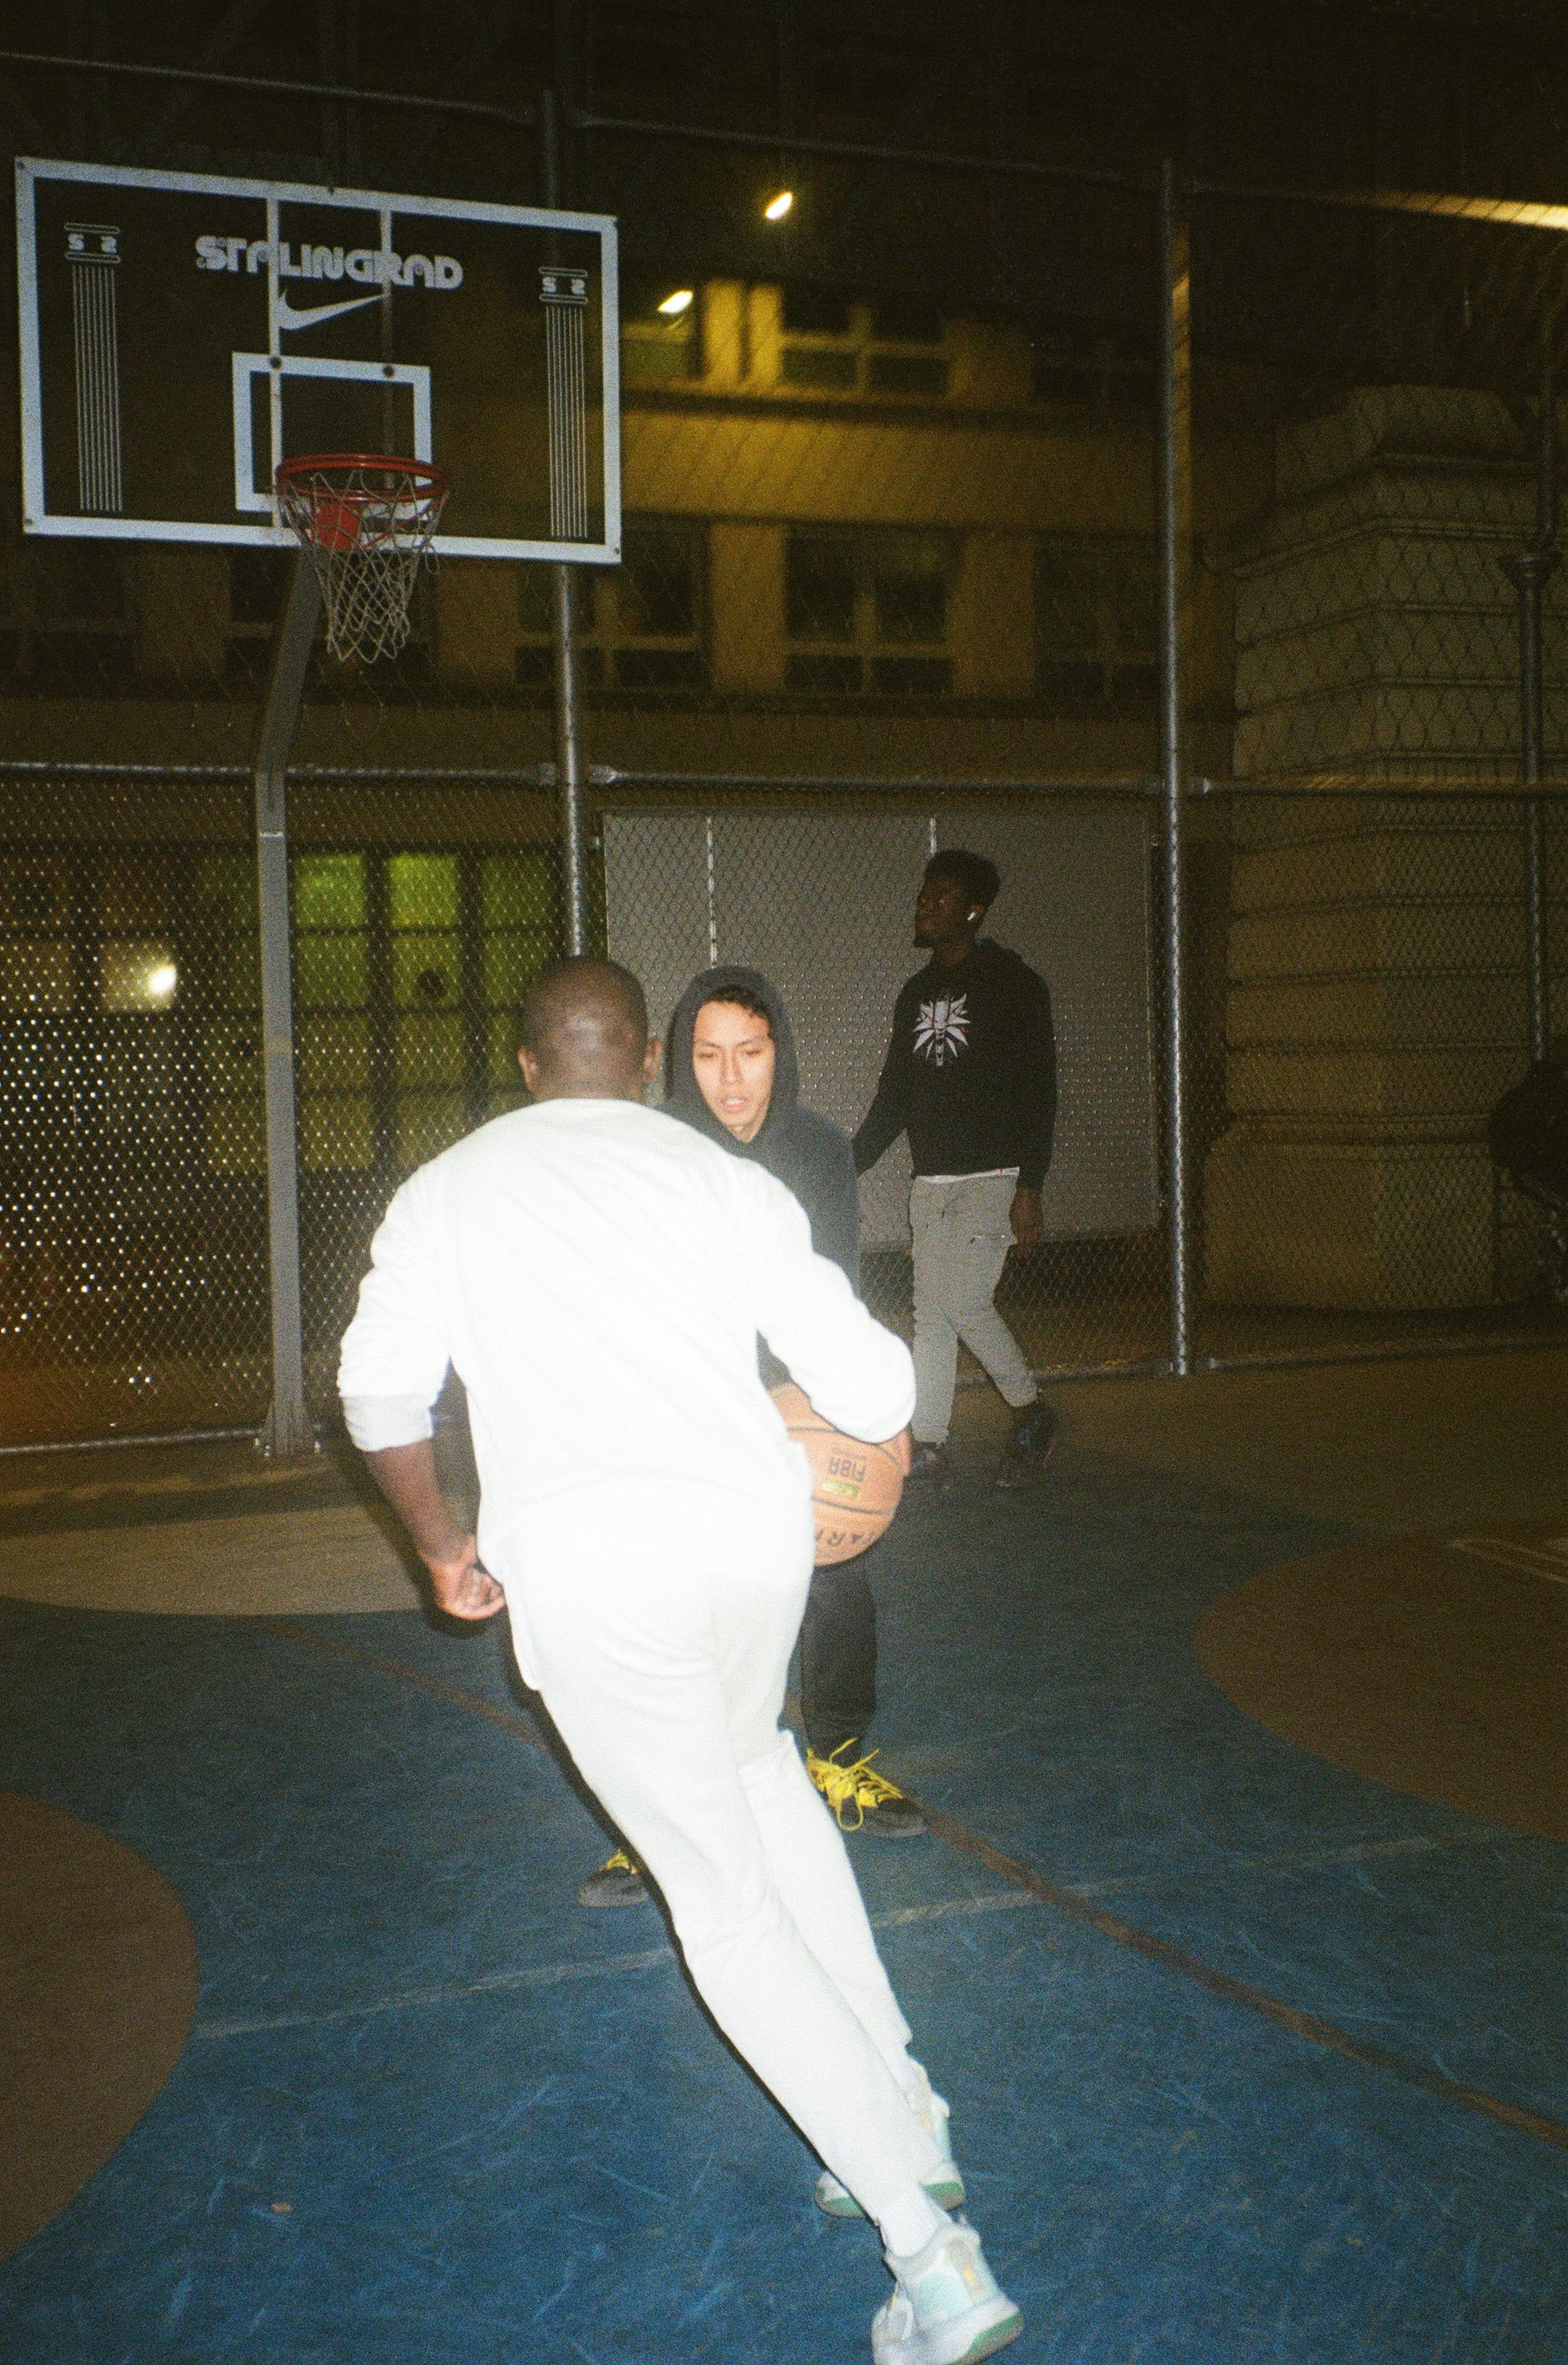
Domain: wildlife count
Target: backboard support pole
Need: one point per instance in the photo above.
(286, 1430)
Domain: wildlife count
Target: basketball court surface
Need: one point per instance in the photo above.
(1237, 1941)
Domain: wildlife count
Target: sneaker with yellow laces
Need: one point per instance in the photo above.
(863, 1801)
(618, 1881)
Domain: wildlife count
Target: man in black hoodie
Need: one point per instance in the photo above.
(730, 1072)
(971, 1076)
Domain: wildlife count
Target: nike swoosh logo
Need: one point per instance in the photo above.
(287, 318)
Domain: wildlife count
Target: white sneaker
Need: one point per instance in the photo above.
(945, 2185)
(946, 2308)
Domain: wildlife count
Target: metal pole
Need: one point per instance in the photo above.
(569, 768)
(1529, 572)
(287, 1428)
(1174, 490)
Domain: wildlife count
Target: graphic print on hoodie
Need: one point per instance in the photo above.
(971, 1070)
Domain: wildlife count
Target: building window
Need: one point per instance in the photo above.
(258, 586)
(66, 617)
(1088, 367)
(1095, 624)
(640, 625)
(660, 346)
(835, 344)
(867, 612)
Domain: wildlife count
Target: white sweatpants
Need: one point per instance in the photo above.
(962, 1231)
(668, 1691)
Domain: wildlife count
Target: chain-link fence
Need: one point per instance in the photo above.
(134, 1280)
(892, 577)
(1392, 370)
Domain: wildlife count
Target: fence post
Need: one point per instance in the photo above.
(1530, 573)
(287, 1428)
(1174, 491)
(568, 730)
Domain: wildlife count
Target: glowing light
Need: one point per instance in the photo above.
(777, 207)
(674, 305)
(162, 981)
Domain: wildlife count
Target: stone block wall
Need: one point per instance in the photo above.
(1376, 999)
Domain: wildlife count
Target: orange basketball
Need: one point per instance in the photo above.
(855, 1487)
(335, 524)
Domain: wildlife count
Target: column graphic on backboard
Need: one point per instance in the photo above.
(260, 322)
(91, 249)
(564, 295)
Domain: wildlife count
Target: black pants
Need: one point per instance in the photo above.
(838, 1656)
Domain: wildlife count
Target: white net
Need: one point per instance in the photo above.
(368, 522)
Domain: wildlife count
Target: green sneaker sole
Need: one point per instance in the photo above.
(946, 2191)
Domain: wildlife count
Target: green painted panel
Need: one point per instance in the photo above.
(335, 1130)
(332, 1055)
(501, 1041)
(331, 972)
(421, 891)
(428, 1051)
(328, 891)
(511, 962)
(426, 974)
(517, 889)
(428, 1122)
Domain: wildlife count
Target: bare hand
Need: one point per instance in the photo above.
(899, 1448)
(463, 1585)
(1028, 1225)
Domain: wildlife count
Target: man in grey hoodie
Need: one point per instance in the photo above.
(731, 1073)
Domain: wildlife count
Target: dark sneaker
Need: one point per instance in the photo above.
(1028, 1449)
(618, 1881)
(862, 1800)
(927, 1469)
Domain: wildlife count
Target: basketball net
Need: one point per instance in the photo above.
(367, 522)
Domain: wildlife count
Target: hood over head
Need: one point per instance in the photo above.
(683, 1094)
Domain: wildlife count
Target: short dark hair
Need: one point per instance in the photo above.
(980, 879)
(738, 997)
(581, 990)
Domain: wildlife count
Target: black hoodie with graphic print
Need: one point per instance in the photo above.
(807, 1153)
(970, 1072)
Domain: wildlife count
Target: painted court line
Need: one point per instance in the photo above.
(1549, 1561)
(550, 1975)
(1305, 2024)
(1077, 1905)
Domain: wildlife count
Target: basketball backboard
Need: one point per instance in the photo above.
(181, 334)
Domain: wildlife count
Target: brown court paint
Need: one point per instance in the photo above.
(1437, 1667)
(97, 1991)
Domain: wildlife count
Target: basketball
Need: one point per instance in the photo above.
(335, 524)
(855, 1487)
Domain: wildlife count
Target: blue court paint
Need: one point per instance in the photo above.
(504, 2133)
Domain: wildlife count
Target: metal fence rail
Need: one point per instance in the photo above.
(1220, 522)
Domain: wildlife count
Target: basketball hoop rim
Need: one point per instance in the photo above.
(424, 481)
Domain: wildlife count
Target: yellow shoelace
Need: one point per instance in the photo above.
(850, 1788)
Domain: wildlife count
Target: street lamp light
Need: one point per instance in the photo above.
(674, 305)
(777, 207)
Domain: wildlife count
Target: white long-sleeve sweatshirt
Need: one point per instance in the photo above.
(598, 1275)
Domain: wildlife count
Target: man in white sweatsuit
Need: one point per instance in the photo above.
(598, 1275)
